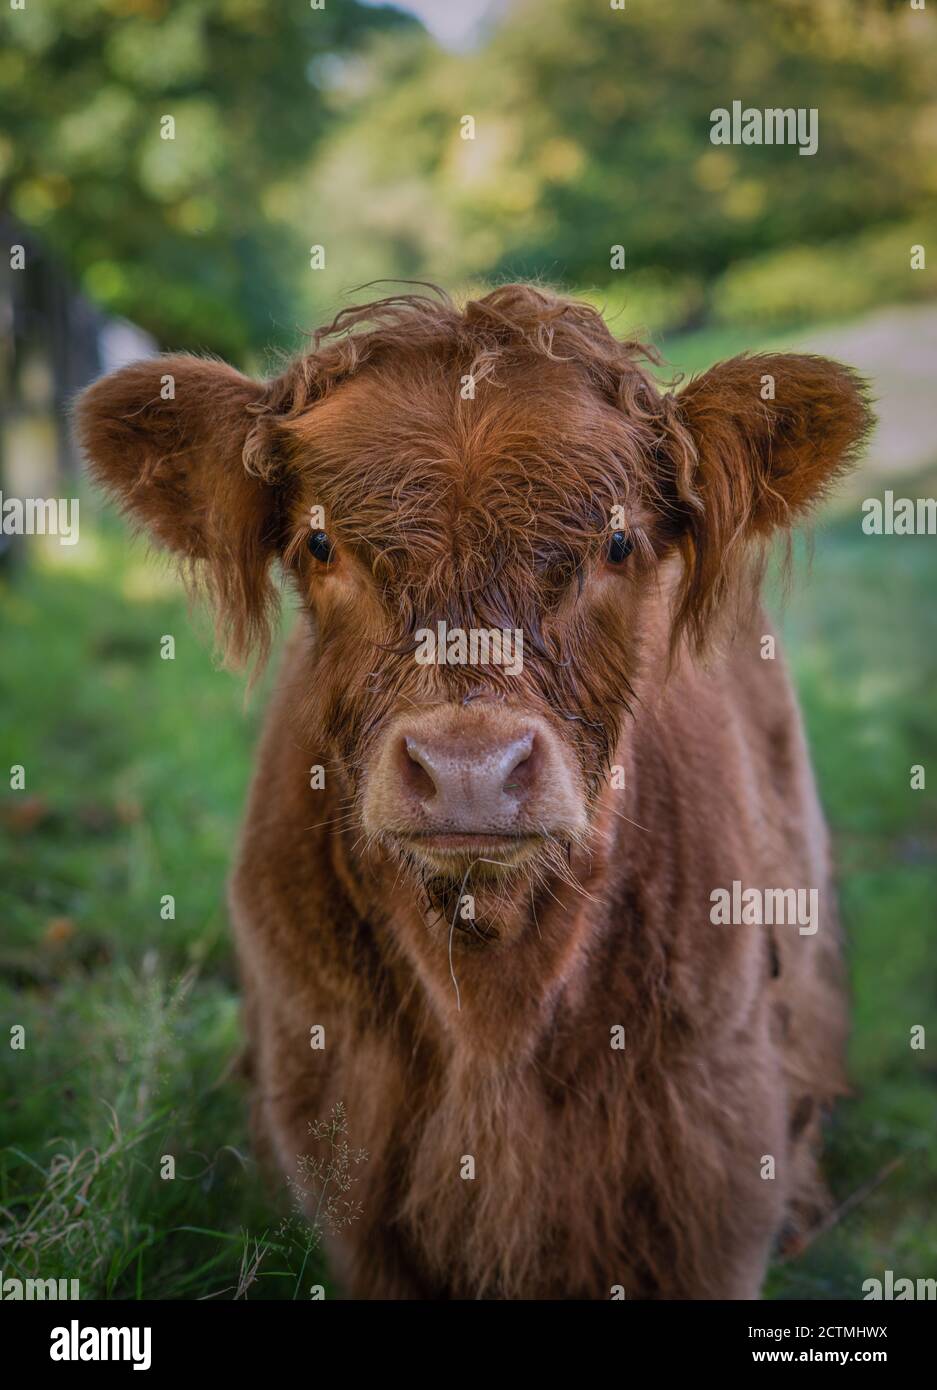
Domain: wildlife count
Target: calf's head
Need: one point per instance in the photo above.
(496, 527)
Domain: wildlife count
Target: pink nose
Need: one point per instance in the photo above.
(476, 770)
(476, 784)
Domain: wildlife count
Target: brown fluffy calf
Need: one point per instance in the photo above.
(510, 874)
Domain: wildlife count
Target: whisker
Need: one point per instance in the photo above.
(458, 996)
(533, 909)
(622, 816)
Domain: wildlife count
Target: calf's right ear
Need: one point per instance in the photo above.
(173, 439)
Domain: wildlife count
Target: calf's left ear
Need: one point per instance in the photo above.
(756, 442)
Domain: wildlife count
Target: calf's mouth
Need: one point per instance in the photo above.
(482, 853)
(483, 789)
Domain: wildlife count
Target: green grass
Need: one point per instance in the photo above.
(861, 631)
(136, 770)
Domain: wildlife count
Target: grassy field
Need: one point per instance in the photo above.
(136, 770)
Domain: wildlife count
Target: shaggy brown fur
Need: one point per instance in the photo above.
(486, 503)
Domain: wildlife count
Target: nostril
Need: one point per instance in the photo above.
(417, 769)
(521, 765)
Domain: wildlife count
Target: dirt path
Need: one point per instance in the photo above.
(897, 349)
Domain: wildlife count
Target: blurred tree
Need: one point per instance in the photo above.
(342, 126)
(592, 129)
(181, 234)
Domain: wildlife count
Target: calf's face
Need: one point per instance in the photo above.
(494, 524)
(476, 619)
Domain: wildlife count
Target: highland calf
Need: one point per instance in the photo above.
(494, 900)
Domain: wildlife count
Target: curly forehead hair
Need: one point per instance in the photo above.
(723, 463)
(514, 322)
(523, 478)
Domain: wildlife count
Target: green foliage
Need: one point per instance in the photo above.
(834, 281)
(121, 1070)
(131, 1016)
(592, 131)
(779, 289)
(341, 127)
(183, 235)
(866, 683)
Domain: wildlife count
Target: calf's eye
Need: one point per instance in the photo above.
(320, 546)
(619, 548)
